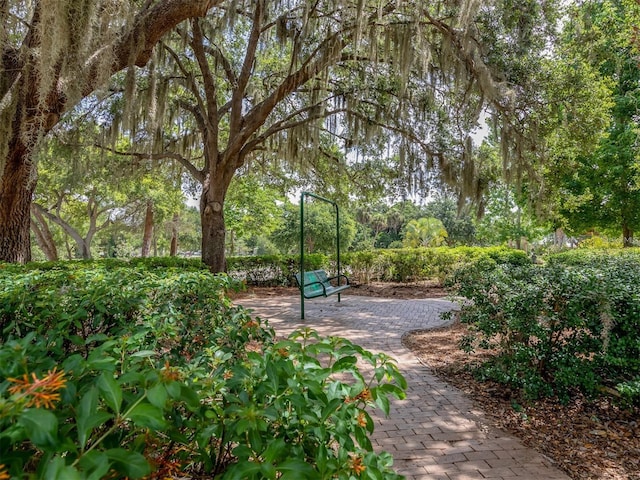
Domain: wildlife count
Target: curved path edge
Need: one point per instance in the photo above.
(436, 432)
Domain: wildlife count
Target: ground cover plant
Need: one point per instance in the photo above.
(557, 328)
(137, 371)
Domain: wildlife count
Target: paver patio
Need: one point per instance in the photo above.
(436, 432)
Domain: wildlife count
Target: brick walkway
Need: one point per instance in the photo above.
(436, 432)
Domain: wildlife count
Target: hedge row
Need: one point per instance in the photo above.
(112, 371)
(398, 265)
(416, 264)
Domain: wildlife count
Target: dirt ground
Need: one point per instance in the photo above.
(588, 440)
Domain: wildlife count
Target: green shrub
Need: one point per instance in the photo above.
(416, 264)
(126, 371)
(556, 328)
(273, 270)
(591, 257)
(390, 265)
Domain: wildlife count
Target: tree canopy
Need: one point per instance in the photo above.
(361, 99)
(54, 54)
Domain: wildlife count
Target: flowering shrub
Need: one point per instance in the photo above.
(153, 373)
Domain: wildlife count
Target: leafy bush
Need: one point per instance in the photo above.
(588, 257)
(415, 264)
(558, 327)
(273, 270)
(397, 265)
(152, 372)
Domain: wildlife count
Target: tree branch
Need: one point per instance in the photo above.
(210, 90)
(245, 73)
(217, 54)
(191, 84)
(190, 167)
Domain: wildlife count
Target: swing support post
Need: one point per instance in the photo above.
(335, 207)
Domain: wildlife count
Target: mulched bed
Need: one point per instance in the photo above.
(587, 439)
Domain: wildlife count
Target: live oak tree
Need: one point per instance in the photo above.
(54, 53)
(267, 81)
(259, 81)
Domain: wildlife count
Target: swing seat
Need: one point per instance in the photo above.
(317, 284)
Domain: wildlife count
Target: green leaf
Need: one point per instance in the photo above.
(111, 392)
(330, 408)
(129, 464)
(96, 464)
(87, 408)
(383, 402)
(57, 470)
(242, 471)
(143, 354)
(190, 397)
(390, 389)
(345, 363)
(276, 449)
(41, 426)
(174, 389)
(147, 415)
(157, 395)
(255, 440)
(321, 459)
(295, 468)
(362, 438)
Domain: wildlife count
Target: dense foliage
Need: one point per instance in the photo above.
(598, 189)
(572, 324)
(395, 265)
(148, 370)
(416, 264)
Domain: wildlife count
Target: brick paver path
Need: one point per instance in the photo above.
(436, 432)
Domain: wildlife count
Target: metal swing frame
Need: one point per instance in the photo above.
(320, 282)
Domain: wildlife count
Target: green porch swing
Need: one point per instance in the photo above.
(316, 283)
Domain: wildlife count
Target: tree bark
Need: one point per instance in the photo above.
(147, 236)
(16, 191)
(83, 244)
(174, 236)
(627, 236)
(43, 235)
(212, 219)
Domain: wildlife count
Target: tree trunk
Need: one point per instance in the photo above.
(174, 236)
(627, 236)
(68, 248)
(16, 191)
(559, 238)
(41, 229)
(147, 236)
(212, 218)
(85, 250)
(83, 245)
